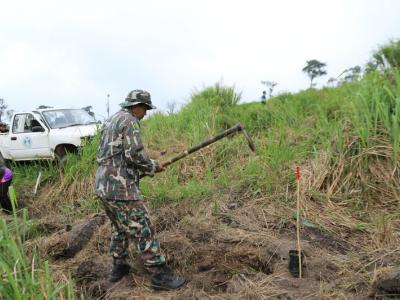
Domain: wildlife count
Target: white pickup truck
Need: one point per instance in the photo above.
(46, 134)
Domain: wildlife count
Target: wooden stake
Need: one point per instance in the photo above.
(298, 220)
(37, 183)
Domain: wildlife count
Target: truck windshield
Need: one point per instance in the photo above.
(68, 117)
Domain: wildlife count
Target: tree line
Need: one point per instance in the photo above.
(386, 57)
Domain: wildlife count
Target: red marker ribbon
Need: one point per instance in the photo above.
(297, 173)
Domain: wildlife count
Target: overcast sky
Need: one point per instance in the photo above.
(74, 53)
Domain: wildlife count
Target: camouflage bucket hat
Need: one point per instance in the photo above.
(136, 97)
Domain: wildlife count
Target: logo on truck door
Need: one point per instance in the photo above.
(27, 142)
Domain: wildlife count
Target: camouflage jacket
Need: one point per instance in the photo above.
(121, 159)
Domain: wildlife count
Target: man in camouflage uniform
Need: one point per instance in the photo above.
(122, 162)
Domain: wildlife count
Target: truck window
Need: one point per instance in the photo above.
(18, 123)
(39, 117)
(24, 123)
(59, 118)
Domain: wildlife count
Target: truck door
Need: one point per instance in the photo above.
(29, 138)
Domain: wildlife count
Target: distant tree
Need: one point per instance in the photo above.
(371, 66)
(387, 56)
(171, 107)
(314, 69)
(331, 81)
(9, 113)
(270, 85)
(44, 107)
(3, 107)
(352, 74)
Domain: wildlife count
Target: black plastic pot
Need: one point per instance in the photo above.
(294, 263)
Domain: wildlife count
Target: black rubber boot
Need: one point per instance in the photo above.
(118, 271)
(165, 279)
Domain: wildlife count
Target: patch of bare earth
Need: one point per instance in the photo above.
(238, 251)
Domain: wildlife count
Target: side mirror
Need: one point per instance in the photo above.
(37, 129)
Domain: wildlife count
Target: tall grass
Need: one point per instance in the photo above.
(376, 108)
(26, 276)
(288, 130)
(356, 125)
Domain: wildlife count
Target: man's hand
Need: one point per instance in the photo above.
(159, 167)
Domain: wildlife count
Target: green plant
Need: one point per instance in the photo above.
(26, 276)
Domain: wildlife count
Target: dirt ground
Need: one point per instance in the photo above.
(237, 248)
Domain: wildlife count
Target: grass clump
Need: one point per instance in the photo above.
(26, 276)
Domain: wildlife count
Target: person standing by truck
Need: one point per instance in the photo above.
(6, 176)
(3, 127)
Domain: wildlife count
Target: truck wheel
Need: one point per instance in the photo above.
(61, 155)
(62, 151)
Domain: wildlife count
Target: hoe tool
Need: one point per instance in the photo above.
(237, 128)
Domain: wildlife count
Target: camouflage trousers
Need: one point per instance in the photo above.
(130, 222)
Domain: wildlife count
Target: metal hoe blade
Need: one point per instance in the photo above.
(249, 139)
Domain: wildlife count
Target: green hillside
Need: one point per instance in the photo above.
(346, 141)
